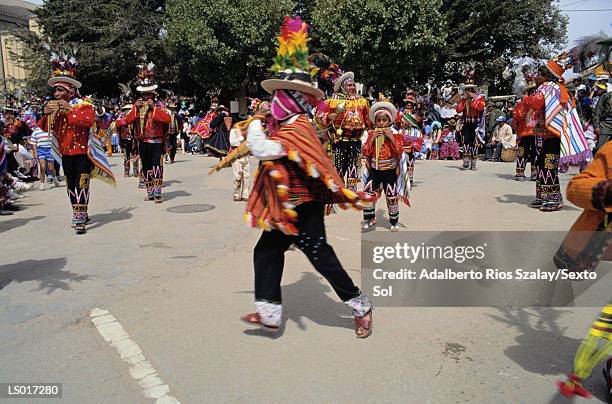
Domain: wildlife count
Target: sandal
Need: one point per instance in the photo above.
(363, 325)
(551, 207)
(537, 204)
(608, 377)
(80, 228)
(254, 319)
(368, 224)
(573, 387)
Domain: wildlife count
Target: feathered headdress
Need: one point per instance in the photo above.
(291, 65)
(327, 73)
(525, 70)
(64, 65)
(292, 52)
(588, 51)
(145, 78)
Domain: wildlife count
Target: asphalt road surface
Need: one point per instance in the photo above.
(146, 305)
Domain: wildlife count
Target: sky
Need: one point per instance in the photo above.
(581, 23)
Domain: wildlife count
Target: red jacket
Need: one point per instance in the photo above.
(389, 150)
(156, 123)
(474, 112)
(72, 128)
(124, 130)
(536, 118)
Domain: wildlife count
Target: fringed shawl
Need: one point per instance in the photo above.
(269, 207)
(562, 120)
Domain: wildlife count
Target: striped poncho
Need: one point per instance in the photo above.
(562, 120)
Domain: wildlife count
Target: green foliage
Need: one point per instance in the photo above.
(111, 36)
(492, 32)
(200, 45)
(385, 41)
(225, 43)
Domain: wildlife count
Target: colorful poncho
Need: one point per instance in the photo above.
(562, 120)
(269, 207)
(95, 150)
(202, 127)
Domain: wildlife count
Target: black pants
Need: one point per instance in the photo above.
(11, 162)
(129, 151)
(525, 152)
(548, 189)
(387, 180)
(77, 170)
(493, 150)
(269, 256)
(151, 155)
(172, 144)
(347, 160)
(471, 145)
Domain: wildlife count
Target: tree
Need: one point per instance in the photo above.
(385, 41)
(223, 43)
(111, 37)
(492, 32)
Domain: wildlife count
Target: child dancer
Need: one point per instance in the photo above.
(385, 165)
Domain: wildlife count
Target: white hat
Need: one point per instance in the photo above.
(383, 105)
(342, 79)
(147, 89)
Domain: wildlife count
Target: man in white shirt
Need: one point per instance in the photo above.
(502, 138)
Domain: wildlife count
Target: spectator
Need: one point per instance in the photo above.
(502, 138)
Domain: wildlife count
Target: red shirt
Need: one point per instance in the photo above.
(474, 112)
(155, 125)
(388, 151)
(72, 128)
(124, 130)
(535, 119)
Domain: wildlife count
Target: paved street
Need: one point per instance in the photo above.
(177, 276)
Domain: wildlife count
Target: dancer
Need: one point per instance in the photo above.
(386, 166)
(587, 243)
(128, 142)
(471, 105)
(173, 130)
(412, 140)
(563, 133)
(528, 126)
(240, 166)
(70, 119)
(295, 180)
(346, 117)
(151, 122)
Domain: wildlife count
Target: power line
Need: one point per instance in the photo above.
(572, 3)
(601, 9)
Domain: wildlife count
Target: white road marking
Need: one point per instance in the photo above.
(129, 351)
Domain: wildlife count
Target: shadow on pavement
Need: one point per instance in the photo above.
(508, 177)
(308, 298)
(115, 215)
(541, 348)
(174, 194)
(526, 200)
(47, 272)
(168, 183)
(6, 225)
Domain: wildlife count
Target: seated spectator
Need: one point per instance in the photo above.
(502, 138)
(449, 147)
